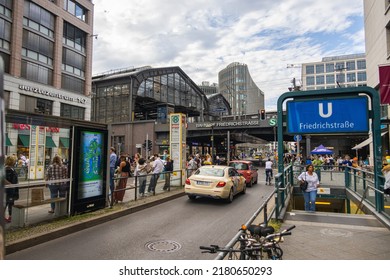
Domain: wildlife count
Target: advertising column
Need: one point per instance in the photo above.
(178, 135)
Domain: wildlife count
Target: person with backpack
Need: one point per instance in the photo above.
(11, 194)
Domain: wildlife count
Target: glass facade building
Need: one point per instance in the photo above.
(237, 86)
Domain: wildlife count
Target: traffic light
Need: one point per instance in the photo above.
(149, 145)
(262, 114)
(144, 145)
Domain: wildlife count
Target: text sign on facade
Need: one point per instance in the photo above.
(341, 115)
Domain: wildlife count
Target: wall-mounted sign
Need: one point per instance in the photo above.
(61, 96)
(340, 115)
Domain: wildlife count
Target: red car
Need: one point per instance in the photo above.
(247, 169)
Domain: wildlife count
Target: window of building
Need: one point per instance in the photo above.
(38, 45)
(6, 8)
(351, 65)
(72, 112)
(340, 78)
(73, 62)
(329, 67)
(5, 34)
(39, 15)
(35, 105)
(37, 73)
(330, 79)
(362, 76)
(73, 84)
(319, 68)
(351, 77)
(340, 66)
(361, 64)
(38, 27)
(75, 9)
(6, 60)
(74, 37)
(310, 80)
(320, 80)
(309, 69)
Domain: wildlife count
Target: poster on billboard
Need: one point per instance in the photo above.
(89, 170)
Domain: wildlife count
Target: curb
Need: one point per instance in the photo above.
(57, 233)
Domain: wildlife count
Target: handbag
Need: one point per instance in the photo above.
(303, 185)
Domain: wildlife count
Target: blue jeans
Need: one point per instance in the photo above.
(142, 184)
(112, 173)
(57, 191)
(153, 182)
(310, 200)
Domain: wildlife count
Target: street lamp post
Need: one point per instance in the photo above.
(212, 144)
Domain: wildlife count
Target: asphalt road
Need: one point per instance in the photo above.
(172, 230)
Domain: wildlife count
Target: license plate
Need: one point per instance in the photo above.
(203, 183)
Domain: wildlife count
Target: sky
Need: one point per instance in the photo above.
(202, 37)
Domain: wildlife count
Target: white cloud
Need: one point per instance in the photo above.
(203, 37)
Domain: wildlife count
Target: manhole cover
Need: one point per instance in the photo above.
(164, 246)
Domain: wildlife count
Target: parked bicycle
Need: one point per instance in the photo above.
(256, 242)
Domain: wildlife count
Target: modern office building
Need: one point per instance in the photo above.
(238, 87)
(335, 71)
(46, 47)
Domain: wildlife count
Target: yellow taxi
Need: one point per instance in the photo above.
(216, 181)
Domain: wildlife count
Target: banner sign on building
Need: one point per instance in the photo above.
(340, 115)
(384, 83)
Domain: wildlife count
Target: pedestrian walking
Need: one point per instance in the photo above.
(113, 159)
(310, 194)
(140, 173)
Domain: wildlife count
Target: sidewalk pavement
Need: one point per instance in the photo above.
(334, 236)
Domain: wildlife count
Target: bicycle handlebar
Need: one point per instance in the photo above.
(289, 229)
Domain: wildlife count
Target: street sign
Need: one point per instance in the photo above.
(339, 115)
(297, 137)
(273, 121)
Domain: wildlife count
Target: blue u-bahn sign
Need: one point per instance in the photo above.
(339, 115)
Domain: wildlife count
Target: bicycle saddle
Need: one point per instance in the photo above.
(260, 230)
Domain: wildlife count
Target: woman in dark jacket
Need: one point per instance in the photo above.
(11, 194)
(168, 168)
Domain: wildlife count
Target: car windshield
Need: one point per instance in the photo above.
(210, 172)
(239, 165)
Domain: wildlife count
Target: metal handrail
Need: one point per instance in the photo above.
(234, 240)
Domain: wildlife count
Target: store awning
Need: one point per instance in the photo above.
(366, 142)
(64, 142)
(24, 139)
(8, 142)
(50, 143)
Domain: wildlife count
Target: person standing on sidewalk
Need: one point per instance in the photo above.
(56, 171)
(11, 194)
(157, 168)
(168, 168)
(140, 172)
(124, 171)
